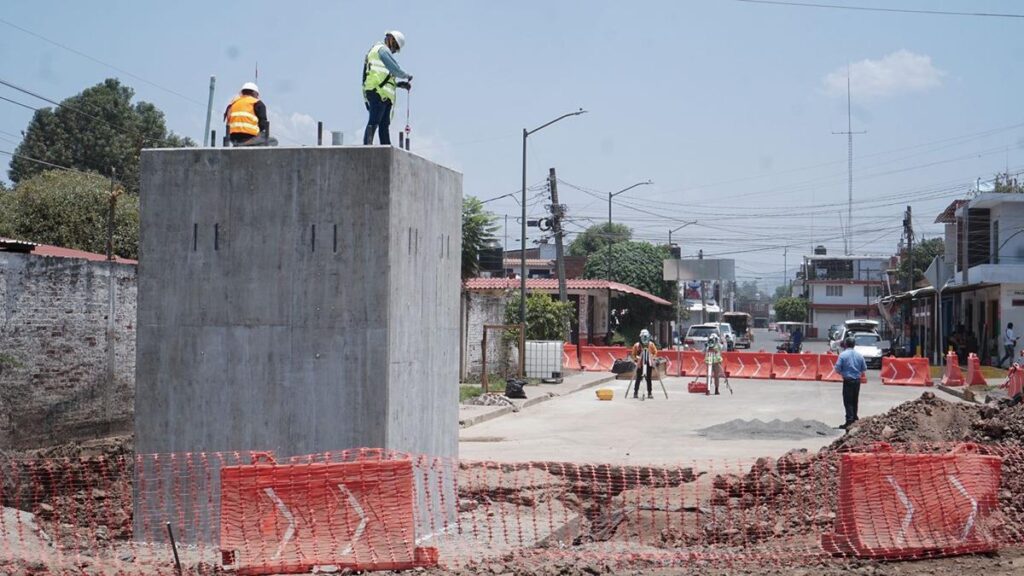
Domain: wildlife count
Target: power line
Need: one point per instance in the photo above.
(98, 61)
(45, 163)
(19, 104)
(875, 9)
(77, 111)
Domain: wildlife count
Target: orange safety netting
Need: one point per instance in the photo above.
(383, 510)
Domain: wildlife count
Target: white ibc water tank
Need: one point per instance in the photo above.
(544, 359)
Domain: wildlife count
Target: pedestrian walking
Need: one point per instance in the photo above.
(644, 352)
(1009, 343)
(380, 79)
(850, 366)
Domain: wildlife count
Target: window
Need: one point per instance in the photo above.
(872, 291)
(833, 290)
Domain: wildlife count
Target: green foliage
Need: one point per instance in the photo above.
(478, 228)
(95, 131)
(783, 291)
(747, 292)
(920, 258)
(1006, 184)
(638, 264)
(6, 211)
(791, 310)
(546, 317)
(70, 209)
(597, 236)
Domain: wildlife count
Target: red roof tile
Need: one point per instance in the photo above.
(58, 252)
(482, 284)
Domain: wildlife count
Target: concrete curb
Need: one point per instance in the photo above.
(485, 416)
(500, 411)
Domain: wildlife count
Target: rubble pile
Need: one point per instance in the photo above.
(80, 493)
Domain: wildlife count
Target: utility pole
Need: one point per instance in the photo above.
(557, 211)
(785, 267)
(849, 153)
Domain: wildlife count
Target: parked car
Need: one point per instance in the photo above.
(741, 323)
(852, 328)
(729, 335)
(871, 347)
(697, 335)
(833, 332)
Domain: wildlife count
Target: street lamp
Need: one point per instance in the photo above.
(609, 257)
(522, 244)
(679, 298)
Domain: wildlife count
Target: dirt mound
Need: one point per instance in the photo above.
(928, 419)
(797, 429)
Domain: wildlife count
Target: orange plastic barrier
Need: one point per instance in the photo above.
(915, 505)
(1015, 381)
(569, 359)
(601, 358)
(691, 363)
(827, 369)
(952, 375)
(748, 364)
(906, 371)
(795, 366)
(974, 375)
(294, 517)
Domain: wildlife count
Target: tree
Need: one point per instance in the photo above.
(746, 293)
(6, 211)
(546, 318)
(782, 291)
(70, 209)
(478, 228)
(920, 258)
(94, 131)
(791, 310)
(638, 264)
(1006, 184)
(597, 236)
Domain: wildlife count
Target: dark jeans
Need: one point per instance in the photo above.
(1008, 355)
(640, 372)
(851, 393)
(379, 120)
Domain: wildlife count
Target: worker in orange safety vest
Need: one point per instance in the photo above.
(246, 117)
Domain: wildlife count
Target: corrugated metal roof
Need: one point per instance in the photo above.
(530, 262)
(551, 284)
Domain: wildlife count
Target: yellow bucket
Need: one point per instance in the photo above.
(605, 394)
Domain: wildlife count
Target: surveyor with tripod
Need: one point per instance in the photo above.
(713, 360)
(644, 352)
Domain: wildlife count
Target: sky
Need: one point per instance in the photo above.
(730, 108)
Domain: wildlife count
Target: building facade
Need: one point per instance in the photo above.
(839, 288)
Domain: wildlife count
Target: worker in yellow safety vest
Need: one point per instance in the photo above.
(381, 75)
(246, 116)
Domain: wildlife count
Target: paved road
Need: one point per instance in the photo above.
(579, 428)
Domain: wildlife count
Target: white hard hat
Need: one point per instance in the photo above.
(398, 36)
(251, 86)
(644, 332)
(713, 337)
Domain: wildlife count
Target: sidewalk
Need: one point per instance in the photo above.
(472, 415)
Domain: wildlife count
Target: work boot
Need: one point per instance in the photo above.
(650, 396)
(716, 392)
(634, 396)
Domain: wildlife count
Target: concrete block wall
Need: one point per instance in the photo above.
(298, 300)
(483, 308)
(67, 349)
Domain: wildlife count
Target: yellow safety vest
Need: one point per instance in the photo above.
(376, 77)
(242, 116)
(713, 355)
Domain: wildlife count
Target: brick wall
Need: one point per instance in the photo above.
(67, 349)
(483, 308)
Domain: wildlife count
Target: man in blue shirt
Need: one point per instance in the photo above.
(850, 366)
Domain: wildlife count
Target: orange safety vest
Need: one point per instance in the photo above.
(241, 116)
